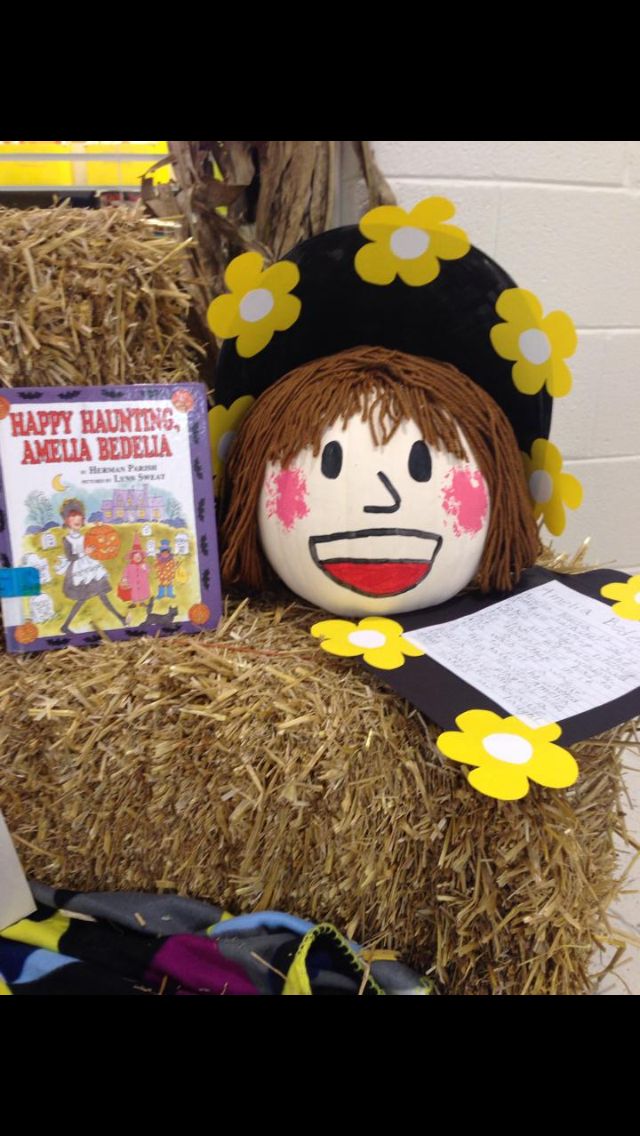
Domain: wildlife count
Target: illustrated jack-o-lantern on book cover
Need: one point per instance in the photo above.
(391, 390)
(107, 521)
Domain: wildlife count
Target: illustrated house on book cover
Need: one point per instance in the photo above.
(132, 505)
(106, 496)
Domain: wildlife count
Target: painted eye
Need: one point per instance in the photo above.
(420, 462)
(332, 459)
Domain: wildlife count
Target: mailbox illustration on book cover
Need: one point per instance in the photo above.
(106, 514)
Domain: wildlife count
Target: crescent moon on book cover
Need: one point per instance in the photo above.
(58, 483)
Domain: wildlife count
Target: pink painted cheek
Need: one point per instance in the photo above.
(287, 497)
(466, 500)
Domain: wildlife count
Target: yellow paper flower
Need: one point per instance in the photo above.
(380, 641)
(409, 245)
(628, 595)
(549, 488)
(223, 427)
(508, 754)
(257, 304)
(538, 344)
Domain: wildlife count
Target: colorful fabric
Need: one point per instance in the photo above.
(165, 568)
(133, 943)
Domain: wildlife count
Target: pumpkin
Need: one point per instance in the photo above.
(363, 529)
(374, 482)
(199, 613)
(26, 633)
(182, 400)
(102, 542)
(5, 407)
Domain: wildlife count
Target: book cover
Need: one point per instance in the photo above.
(106, 492)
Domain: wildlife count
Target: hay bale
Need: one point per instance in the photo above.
(89, 297)
(248, 767)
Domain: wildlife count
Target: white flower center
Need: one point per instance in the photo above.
(535, 346)
(225, 443)
(541, 486)
(408, 242)
(256, 304)
(367, 638)
(508, 747)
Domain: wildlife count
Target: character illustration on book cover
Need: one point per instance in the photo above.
(118, 566)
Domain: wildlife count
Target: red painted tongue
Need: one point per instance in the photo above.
(379, 578)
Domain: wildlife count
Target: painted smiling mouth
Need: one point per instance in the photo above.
(366, 561)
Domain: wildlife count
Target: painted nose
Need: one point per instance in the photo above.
(393, 493)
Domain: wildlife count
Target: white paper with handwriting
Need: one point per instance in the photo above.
(545, 655)
(16, 900)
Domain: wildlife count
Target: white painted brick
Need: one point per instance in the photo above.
(610, 513)
(577, 249)
(601, 415)
(601, 163)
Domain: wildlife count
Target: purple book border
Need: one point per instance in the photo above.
(202, 479)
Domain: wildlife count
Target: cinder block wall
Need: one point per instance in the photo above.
(563, 218)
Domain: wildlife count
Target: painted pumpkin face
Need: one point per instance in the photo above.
(26, 633)
(182, 400)
(102, 542)
(363, 529)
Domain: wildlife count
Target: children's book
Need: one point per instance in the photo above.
(107, 522)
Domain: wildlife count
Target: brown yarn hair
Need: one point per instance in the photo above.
(384, 388)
